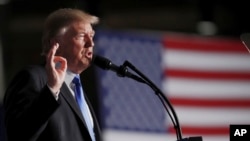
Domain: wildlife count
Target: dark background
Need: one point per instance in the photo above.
(21, 21)
(21, 24)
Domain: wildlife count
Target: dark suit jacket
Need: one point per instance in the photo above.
(33, 114)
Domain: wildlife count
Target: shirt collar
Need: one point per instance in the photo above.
(69, 77)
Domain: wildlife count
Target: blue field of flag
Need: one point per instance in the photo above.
(125, 103)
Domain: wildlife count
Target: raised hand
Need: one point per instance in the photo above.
(56, 67)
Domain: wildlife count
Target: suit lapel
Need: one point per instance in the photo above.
(66, 94)
(96, 125)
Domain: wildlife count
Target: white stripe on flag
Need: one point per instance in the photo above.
(209, 117)
(197, 60)
(116, 135)
(213, 89)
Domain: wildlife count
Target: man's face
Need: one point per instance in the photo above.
(76, 45)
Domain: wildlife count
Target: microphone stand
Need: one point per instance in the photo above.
(162, 97)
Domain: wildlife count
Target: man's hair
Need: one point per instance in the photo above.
(61, 19)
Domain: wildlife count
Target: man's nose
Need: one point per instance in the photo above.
(89, 41)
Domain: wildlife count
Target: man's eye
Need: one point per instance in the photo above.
(80, 36)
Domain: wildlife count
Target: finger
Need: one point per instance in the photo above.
(54, 48)
(61, 63)
(52, 53)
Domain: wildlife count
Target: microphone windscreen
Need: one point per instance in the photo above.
(101, 62)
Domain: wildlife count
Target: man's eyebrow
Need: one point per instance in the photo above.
(84, 32)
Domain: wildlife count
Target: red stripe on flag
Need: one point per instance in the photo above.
(202, 130)
(240, 103)
(207, 74)
(197, 43)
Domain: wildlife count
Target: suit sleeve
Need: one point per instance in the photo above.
(28, 105)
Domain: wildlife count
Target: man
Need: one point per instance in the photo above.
(40, 102)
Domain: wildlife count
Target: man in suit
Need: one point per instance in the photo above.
(40, 102)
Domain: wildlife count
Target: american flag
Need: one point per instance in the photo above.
(207, 80)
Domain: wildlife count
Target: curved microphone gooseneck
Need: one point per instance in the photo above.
(122, 71)
(162, 97)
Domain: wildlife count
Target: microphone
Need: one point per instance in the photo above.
(121, 71)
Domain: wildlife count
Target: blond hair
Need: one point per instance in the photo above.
(59, 20)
